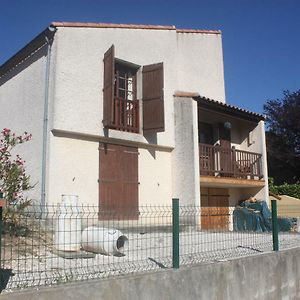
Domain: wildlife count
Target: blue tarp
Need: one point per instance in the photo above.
(257, 217)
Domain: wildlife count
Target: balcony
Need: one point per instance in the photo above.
(125, 115)
(219, 161)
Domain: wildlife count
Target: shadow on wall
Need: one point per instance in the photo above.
(151, 139)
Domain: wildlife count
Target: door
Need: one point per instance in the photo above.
(118, 182)
(225, 153)
(214, 208)
(207, 155)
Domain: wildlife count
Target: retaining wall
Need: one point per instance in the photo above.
(265, 276)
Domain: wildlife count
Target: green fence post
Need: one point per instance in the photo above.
(275, 225)
(175, 236)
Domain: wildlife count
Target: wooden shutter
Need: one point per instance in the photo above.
(118, 182)
(153, 98)
(108, 86)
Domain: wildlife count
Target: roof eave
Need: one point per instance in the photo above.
(234, 111)
(28, 49)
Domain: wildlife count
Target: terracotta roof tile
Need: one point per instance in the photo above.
(198, 31)
(185, 94)
(111, 25)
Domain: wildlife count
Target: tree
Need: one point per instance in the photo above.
(283, 137)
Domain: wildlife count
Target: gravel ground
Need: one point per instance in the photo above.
(38, 265)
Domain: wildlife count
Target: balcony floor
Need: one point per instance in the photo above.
(207, 181)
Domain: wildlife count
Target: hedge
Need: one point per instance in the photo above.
(292, 190)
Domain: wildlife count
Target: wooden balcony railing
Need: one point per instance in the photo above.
(126, 115)
(226, 162)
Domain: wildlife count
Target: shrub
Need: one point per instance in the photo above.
(13, 178)
(292, 190)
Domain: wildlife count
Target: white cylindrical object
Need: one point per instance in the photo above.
(67, 236)
(103, 240)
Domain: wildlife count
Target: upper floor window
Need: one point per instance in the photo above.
(121, 109)
(125, 81)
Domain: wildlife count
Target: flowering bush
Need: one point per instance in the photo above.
(13, 178)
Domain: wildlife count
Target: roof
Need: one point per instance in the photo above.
(40, 41)
(211, 104)
(221, 107)
(133, 26)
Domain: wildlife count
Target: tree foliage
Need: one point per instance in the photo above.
(283, 137)
(292, 190)
(13, 178)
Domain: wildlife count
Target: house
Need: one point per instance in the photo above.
(132, 115)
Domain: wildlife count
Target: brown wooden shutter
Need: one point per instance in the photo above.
(153, 98)
(108, 86)
(118, 181)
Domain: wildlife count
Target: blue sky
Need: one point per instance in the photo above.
(261, 40)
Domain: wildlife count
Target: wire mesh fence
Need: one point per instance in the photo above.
(59, 244)
(62, 244)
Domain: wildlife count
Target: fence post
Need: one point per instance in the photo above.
(175, 235)
(274, 225)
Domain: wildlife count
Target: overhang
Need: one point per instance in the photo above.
(220, 107)
(36, 43)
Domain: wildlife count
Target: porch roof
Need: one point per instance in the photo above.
(232, 110)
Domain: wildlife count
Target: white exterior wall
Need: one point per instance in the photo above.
(22, 94)
(73, 170)
(185, 157)
(79, 74)
(200, 64)
(155, 177)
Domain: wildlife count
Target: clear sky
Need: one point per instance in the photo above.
(261, 38)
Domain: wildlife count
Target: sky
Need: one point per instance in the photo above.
(261, 40)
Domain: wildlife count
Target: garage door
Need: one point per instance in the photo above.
(214, 208)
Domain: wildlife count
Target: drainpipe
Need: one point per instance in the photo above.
(45, 121)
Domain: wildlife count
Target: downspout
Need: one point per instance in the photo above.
(45, 120)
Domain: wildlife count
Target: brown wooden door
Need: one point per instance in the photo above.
(207, 155)
(214, 208)
(225, 153)
(118, 182)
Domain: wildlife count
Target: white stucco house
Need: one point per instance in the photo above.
(131, 115)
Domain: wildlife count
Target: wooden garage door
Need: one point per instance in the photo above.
(214, 208)
(118, 182)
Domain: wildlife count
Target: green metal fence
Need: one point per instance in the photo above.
(65, 243)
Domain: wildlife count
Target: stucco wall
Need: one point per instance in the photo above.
(22, 93)
(259, 146)
(200, 64)
(155, 177)
(185, 157)
(74, 169)
(79, 74)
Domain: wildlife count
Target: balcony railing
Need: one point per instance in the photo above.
(229, 162)
(126, 115)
